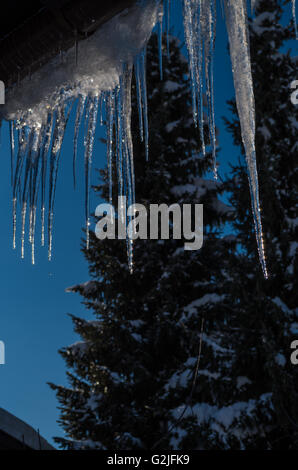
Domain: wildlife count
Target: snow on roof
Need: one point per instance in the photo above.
(99, 66)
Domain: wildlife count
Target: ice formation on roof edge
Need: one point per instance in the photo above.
(38, 115)
(99, 83)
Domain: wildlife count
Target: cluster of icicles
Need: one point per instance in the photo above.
(35, 149)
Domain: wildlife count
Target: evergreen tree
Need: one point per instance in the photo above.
(151, 354)
(263, 314)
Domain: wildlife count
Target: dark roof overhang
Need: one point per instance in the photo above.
(16, 434)
(32, 33)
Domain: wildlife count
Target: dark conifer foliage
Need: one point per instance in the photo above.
(131, 376)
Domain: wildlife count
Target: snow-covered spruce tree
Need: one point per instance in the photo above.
(131, 376)
(263, 313)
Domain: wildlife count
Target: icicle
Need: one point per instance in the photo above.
(119, 146)
(141, 88)
(29, 188)
(33, 186)
(12, 148)
(23, 137)
(79, 115)
(14, 222)
(144, 100)
(91, 113)
(25, 190)
(160, 22)
(103, 100)
(139, 97)
(125, 165)
(129, 153)
(199, 74)
(127, 117)
(44, 153)
(110, 110)
(33, 217)
(194, 41)
(168, 22)
(143, 75)
(62, 115)
(188, 30)
(236, 19)
(23, 230)
(208, 20)
(294, 17)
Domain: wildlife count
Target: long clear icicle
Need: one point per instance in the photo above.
(189, 36)
(62, 116)
(110, 115)
(33, 186)
(197, 34)
(79, 115)
(44, 154)
(168, 22)
(23, 141)
(28, 190)
(208, 31)
(141, 86)
(127, 165)
(236, 20)
(91, 113)
(12, 148)
(139, 97)
(294, 17)
(200, 31)
(160, 32)
(143, 79)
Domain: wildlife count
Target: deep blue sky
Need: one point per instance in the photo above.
(33, 302)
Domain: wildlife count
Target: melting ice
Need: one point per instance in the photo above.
(38, 108)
